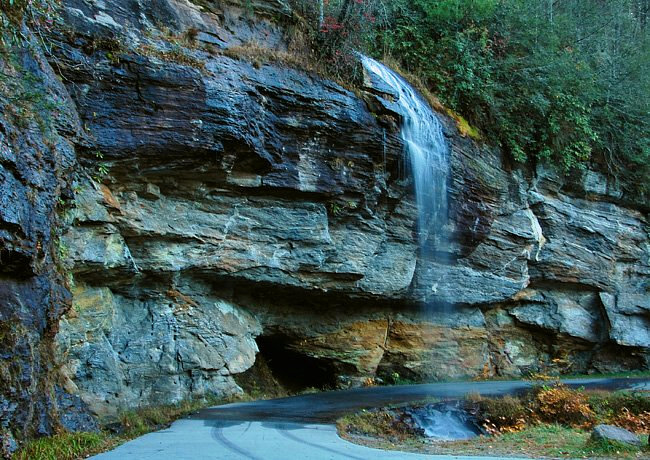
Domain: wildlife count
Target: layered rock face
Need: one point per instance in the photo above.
(228, 209)
(39, 128)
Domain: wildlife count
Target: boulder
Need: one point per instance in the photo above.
(611, 433)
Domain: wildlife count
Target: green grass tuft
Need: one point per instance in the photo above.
(66, 446)
(70, 446)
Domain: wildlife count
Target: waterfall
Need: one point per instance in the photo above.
(425, 147)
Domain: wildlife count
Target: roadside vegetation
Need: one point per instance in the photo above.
(549, 421)
(130, 425)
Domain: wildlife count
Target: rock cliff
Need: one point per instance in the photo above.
(223, 208)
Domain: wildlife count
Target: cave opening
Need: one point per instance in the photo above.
(292, 370)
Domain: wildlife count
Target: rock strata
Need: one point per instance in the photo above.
(282, 198)
(222, 209)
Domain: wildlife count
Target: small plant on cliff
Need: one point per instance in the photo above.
(39, 15)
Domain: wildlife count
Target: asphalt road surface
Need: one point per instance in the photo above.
(302, 427)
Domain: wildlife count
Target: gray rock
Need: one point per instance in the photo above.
(122, 353)
(628, 319)
(574, 314)
(8, 445)
(615, 434)
(250, 202)
(264, 179)
(37, 159)
(73, 413)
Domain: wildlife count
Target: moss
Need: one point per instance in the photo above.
(463, 126)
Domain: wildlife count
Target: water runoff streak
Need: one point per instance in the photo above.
(425, 146)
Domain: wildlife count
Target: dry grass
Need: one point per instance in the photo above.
(295, 57)
(259, 55)
(382, 423)
(176, 54)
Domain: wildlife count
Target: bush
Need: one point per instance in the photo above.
(545, 84)
(637, 423)
(609, 404)
(629, 410)
(383, 423)
(499, 415)
(560, 404)
(337, 30)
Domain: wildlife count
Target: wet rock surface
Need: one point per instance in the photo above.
(445, 421)
(217, 201)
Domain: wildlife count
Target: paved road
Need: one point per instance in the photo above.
(302, 427)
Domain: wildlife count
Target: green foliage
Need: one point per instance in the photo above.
(565, 82)
(608, 405)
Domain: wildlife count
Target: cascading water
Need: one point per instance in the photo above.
(425, 147)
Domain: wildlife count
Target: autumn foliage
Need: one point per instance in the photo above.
(559, 404)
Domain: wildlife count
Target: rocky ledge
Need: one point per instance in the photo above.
(226, 209)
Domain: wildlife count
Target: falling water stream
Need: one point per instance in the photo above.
(425, 147)
(428, 156)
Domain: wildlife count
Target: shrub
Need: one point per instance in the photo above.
(383, 423)
(637, 423)
(560, 404)
(609, 404)
(629, 410)
(499, 415)
(337, 29)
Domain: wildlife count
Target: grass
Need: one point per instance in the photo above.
(176, 54)
(525, 425)
(396, 379)
(611, 375)
(381, 423)
(67, 446)
(70, 446)
(538, 441)
(544, 440)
